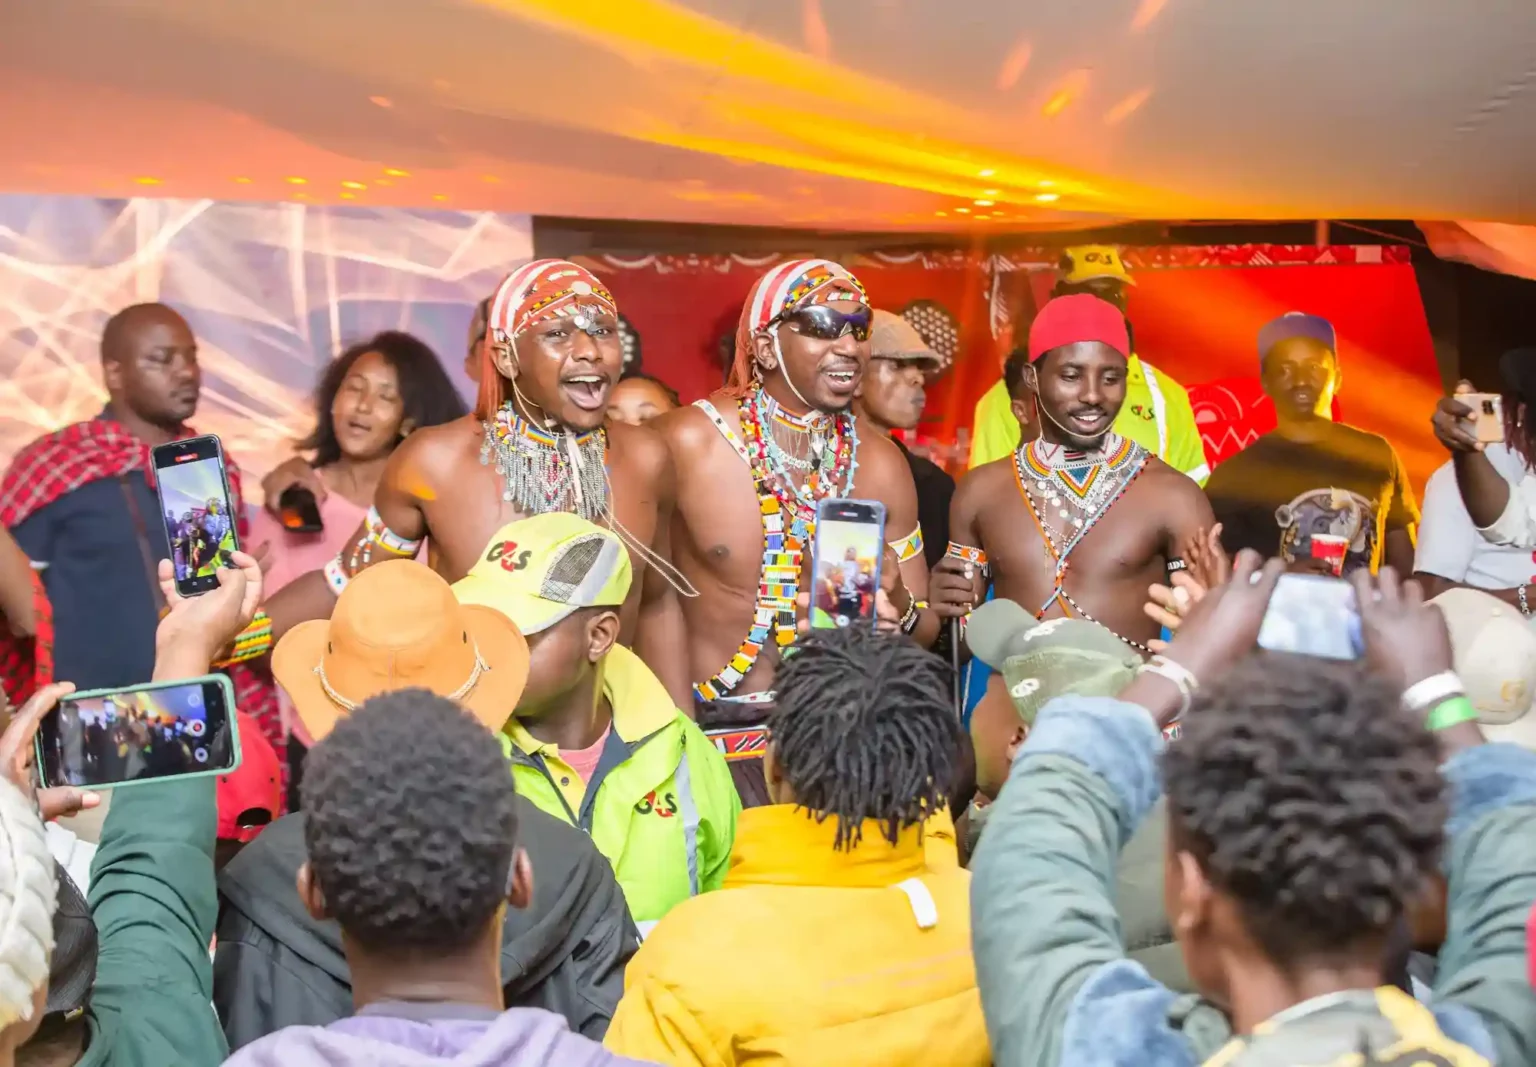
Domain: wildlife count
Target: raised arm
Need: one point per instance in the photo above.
(152, 894)
(395, 524)
(890, 477)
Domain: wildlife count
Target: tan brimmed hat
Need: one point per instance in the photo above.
(397, 625)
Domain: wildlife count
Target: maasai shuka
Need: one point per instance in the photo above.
(532, 293)
(63, 461)
(786, 288)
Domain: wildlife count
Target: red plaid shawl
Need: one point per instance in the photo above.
(56, 465)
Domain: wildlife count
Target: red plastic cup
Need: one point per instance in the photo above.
(1331, 549)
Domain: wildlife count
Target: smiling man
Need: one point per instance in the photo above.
(1079, 521)
(1310, 480)
(535, 443)
(753, 461)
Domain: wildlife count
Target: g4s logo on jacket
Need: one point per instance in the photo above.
(664, 805)
(511, 559)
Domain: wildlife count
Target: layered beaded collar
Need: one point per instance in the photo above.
(789, 524)
(545, 471)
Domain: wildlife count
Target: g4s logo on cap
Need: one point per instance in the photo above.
(511, 559)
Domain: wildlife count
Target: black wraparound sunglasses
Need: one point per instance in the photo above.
(827, 324)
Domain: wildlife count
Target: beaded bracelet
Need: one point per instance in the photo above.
(336, 575)
(910, 617)
(1451, 712)
(966, 554)
(253, 641)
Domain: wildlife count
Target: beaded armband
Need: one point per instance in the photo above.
(336, 575)
(253, 641)
(908, 547)
(378, 535)
(966, 554)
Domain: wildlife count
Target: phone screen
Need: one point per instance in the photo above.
(106, 739)
(1312, 616)
(196, 509)
(850, 544)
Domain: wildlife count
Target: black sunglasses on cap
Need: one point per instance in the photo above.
(827, 324)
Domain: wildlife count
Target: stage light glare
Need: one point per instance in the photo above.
(148, 181)
(242, 181)
(298, 181)
(381, 101)
(990, 192)
(962, 211)
(983, 203)
(1048, 198)
(396, 173)
(353, 185)
(986, 173)
(440, 197)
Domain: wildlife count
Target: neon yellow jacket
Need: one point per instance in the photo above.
(661, 805)
(811, 956)
(1156, 415)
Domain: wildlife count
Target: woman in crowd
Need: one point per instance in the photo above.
(368, 400)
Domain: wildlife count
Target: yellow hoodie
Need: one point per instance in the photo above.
(808, 956)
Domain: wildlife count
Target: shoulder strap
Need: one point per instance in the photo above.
(141, 534)
(725, 431)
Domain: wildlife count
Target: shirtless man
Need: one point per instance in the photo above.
(535, 443)
(752, 462)
(1080, 521)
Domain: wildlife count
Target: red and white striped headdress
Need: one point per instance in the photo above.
(786, 288)
(532, 293)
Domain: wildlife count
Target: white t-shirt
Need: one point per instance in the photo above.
(1451, 547)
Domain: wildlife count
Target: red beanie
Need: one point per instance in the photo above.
(1080, 317)
(251, 796)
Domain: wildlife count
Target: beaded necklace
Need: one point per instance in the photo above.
(789, 523)
(1091, 483)
(544, 472)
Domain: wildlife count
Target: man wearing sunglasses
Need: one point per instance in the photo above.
(753, 461)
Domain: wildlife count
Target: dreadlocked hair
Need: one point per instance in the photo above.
(1307, 794)
(863, 728)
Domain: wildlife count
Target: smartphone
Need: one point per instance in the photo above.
(298, 511)
(115, 737)
(1487, 415)
(845, 562)
(197, 509)
(1313, 615)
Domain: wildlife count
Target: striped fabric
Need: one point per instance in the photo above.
(783, 289)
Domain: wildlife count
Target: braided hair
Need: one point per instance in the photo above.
(864, 729)
(1309, 796)
(28, 896)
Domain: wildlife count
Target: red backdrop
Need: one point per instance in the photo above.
(1196, 311)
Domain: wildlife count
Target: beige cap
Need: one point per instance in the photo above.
(893, 337)
(1495, 651)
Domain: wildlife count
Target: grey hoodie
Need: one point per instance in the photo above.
(430, 1035)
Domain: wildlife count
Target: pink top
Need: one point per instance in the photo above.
(584, 760)
(293, 554)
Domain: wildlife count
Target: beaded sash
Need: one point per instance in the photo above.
(1093, 487)
(789, 524)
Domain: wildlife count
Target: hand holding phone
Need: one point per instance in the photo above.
(110, 738)
(197, 509)
(846, 562)
(298, 510)
(18, 757)
(1311, 615)
(1487, 416)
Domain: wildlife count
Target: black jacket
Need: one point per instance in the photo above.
(274, 966)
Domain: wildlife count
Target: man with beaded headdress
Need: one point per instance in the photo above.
(1081, 520)
(752, 463)
(535, 443)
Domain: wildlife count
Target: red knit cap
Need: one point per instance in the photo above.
(1080, 317)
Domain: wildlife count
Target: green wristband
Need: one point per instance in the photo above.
(1451, 712)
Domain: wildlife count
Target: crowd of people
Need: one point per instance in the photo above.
(568, 776)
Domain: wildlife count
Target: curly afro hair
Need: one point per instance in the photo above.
(1309, 796)
(864, 728)
(410, 823)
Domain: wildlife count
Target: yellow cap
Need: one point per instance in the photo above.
(538, 570)
(1087, 262)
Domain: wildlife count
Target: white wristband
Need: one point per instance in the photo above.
(1180, 675)
(1423, 695)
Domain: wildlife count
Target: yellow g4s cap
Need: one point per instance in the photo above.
(1085, 263)
(538, 570)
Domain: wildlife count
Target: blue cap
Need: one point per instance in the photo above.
(1297, 324)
